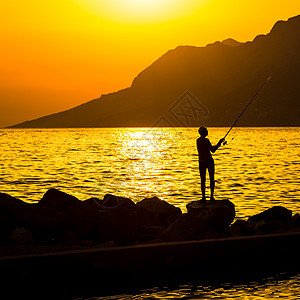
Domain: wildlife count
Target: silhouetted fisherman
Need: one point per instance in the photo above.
(206, 161)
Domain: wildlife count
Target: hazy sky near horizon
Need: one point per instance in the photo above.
(56, 54)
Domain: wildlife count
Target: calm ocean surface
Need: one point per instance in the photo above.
(257, 169)
(286, 288)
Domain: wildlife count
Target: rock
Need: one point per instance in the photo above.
(107, 244)
(242, 227)
(60, 201)
(272, 226)
(69, 238)
(93, 203)
(128, 222)
(6, 224)
(86, 243)
(128, 226)
(154, 230)
(45, 224)
(210, 236)
(160, 209)
(258, 225)
(22, 236)
(171, 219)
(9, 204)
(150, 233)
(27, 214)
(275, 213)
(9, 207)
(112, 202)
(155, 241)
(80, 218)
(107, 226)
(182, 229)
(41, 217)
(117, 221)
(214, 215)
(5, 239)
(203, 220)
(296, 220)
(145, 217)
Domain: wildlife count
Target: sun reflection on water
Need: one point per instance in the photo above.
(256, 170)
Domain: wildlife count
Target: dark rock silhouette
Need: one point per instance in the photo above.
(277, 219)
(217, 215)
(161, 210)
(63, 220)
(43, 222)
(22, 236)
(216, 75)
(80, 219)
(296, 220)
(275, 213)
(202, 220)
(183, 229)
(242, 228)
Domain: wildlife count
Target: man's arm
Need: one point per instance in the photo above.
(197, 143)
(215, 148)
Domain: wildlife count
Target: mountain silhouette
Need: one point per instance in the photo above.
(193, 86)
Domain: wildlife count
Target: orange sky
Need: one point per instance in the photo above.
(56, 54)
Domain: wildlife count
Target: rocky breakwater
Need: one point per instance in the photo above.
(276, 219)
(61, 220)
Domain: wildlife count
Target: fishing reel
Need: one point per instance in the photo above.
(225, 142)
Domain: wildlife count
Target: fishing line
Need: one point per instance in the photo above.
(257, 92)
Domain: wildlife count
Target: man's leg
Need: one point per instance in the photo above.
(203, 178)
(211, 171)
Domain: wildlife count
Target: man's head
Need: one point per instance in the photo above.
(203, 131)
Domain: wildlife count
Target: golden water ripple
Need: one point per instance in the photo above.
(256, 170)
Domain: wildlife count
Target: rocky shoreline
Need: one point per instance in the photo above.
(60, 222)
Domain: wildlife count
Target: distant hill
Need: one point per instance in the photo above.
(231, 42)
(191, 86)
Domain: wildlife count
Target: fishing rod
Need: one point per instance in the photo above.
(265, 82)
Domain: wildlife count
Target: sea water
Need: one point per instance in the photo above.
(257, 169)
(282, 286)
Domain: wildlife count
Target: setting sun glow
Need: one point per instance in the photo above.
(141, 11)
(61, 53)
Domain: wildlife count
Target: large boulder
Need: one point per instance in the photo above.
(278, 213)
(151, 233)
(8, 203)
(296, 221)
(43, 223)
(160, 209)
(128, 226)
(113, 201)
(182, 229)
(80, 218)
(117, 220)
(145, 217)
(272, 226)
(277, 219)
(107, 226)
(46, 224)
(45, 218)
(93, 203)
(242, 227)
(6, 224)
(215, 216)
(22, 236)
(60, 201)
